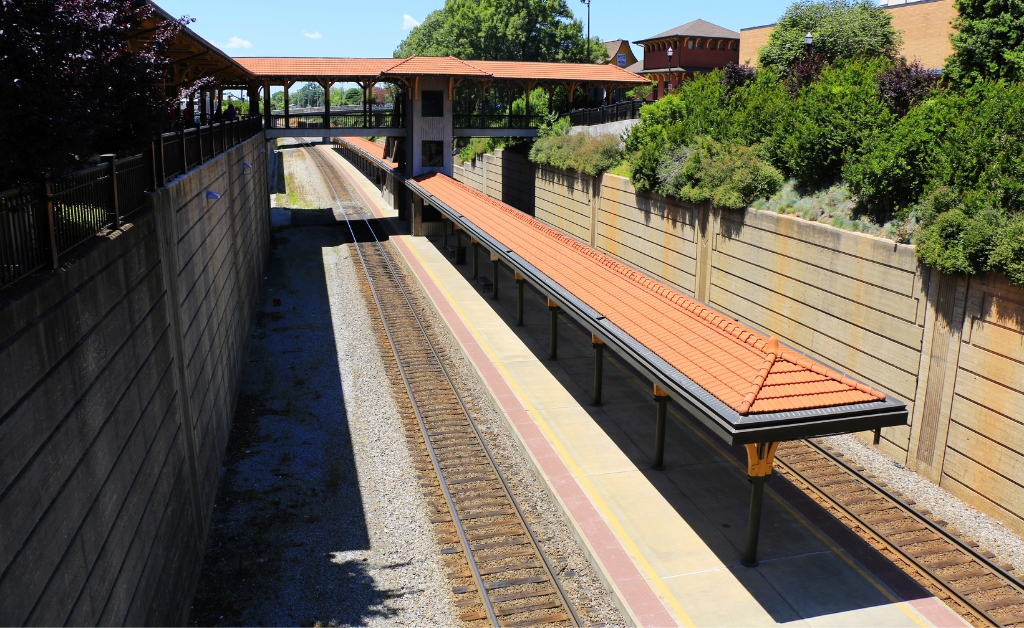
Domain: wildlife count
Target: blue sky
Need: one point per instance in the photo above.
(350, 28)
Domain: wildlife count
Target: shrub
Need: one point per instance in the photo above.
(831, 118)
(988, 42)
(727, 174)
(695, 108)
(582, 152)
(735, 75)
(905, 84)
(842, 29)
(957, 237)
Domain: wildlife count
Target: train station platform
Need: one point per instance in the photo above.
(668, 541)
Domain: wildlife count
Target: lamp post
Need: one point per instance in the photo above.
(668, 84)
(587, 2)
(808, 41)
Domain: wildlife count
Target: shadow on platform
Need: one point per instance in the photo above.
(811, 565)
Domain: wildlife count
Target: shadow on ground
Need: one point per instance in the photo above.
(289, 543)
(801, 574)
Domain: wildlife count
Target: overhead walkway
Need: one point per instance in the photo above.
(668, 543)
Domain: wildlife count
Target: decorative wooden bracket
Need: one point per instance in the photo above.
(760, 457)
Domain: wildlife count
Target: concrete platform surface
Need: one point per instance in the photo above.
(666, 542)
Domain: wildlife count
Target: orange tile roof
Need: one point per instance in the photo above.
(540, 71)
(314, 66)
(748, 372)
(270, 67)
(370, 148)
(440, 66)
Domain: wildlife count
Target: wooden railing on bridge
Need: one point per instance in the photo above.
(496, 121)
(39, 225)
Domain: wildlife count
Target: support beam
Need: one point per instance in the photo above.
(496, 264)
(476, 260)
(444, 231)
(520, 281)
(760, 457)
(553, 346)
(659, 429)
(598, 345)
(460, 251)
(266, 105)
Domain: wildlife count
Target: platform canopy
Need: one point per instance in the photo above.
(192, 57)
(536, 73)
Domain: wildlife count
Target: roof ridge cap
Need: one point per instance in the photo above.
(772, 350)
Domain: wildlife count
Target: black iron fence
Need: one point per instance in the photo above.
(375, 119)
(39, 225)
(496, 121)
(608, 113)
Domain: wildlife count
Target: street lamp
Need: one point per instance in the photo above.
(808, 40)
(587, 2)
(668, 85)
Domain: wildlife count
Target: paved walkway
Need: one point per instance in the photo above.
(667, 542)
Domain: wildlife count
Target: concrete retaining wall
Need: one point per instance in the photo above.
(120, 377)
(503, 174)
(951, 347)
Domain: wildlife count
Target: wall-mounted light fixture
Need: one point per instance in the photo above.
(246, 166)
(263, 150)
(211, 195)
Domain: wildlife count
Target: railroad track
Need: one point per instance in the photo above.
(966, 579)
(498, 571)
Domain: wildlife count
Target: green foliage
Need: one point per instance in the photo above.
(528, 30)
(555, 126)
(478, 146)
(988, 42)
(830, 119)
(581, 152)
(727, 174)
(538, 103)
(842, 29)
(835, 206)
(353, 96)
(696, 108)
(958, 237)
(641, 92)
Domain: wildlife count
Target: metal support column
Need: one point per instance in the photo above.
(760, 457)
(496, 263)
(659, 429)
(476, 261)
(115, 215)
(520, 281)
(598, 345)
(444, 231)
(553, 308)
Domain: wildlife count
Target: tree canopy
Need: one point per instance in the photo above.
(502, 30)
(842, 29)
(72, 87)
(988, 42)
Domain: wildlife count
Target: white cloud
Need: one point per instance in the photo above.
(409, 22)
(237, 42)
(313, 35)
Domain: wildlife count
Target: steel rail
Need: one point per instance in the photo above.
(433, 455)
(922, 519)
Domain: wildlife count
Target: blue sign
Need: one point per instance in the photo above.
(620, 60)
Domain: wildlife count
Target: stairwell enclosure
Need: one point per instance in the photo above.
(951, 347)
(120, 374)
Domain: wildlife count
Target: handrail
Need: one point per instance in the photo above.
(38, 225)
(627, 110)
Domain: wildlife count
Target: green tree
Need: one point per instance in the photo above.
(499, 30)
(353, 96)
(988, 42)
(842, 29)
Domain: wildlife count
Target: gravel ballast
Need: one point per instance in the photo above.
(963, 519)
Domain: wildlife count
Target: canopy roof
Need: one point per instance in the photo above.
(359, 70)
(747, 371)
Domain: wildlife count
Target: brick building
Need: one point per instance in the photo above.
(697, 47)
(925, 26)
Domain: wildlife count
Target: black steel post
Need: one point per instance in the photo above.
(598, 369)
(476, 261)
(494, 278)
(659, 429)
(115, 213)
(754, 521)
(553, 347)
(163, 163)
(444, 233)
(519, 303)
(51, 222)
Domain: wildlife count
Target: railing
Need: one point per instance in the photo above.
(496, 121)
(37, 226)
(375, 119)
(608, 113)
